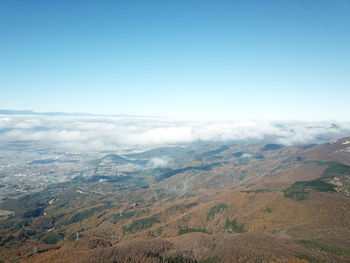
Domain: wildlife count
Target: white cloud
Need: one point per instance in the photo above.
(159, 162)
(94, 132)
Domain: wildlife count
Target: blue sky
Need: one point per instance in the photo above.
(204, 59)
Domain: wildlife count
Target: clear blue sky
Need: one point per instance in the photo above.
(262, 59)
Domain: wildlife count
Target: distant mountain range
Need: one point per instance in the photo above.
(30, 112)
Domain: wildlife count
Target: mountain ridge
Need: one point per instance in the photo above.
(291, 206)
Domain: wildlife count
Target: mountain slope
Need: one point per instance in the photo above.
(293, 205)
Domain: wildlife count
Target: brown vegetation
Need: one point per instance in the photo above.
(232, 213)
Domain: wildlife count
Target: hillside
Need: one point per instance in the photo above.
(212, 203)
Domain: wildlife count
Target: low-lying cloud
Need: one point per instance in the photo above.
(159, 162)
(82, 133)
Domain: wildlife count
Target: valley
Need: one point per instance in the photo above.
(212, 202)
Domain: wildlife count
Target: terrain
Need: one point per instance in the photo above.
(202, 202)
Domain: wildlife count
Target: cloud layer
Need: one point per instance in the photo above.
(96, 132)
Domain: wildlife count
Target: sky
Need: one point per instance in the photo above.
(185, 59)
